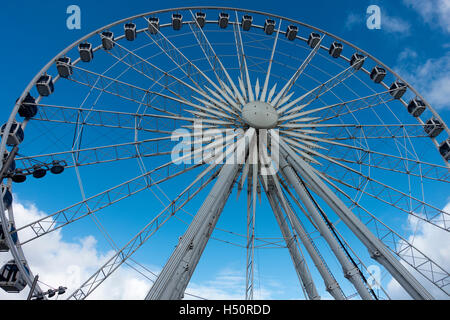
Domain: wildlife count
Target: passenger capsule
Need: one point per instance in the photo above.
(45, 85)
(433, 127)
(7, 197)
(107, 40)
(223, 19)
(416, 107)
(397, 89)
(130, 31)
(313, 39)
(357, 61)
(246, 22)
(64, 66)
(377, 74)
(444, 149)
(269, 26)
(86, 52)
(15, 135)
(335, 49)
(201, 18)
(28, 108)
(10, 278)
(291, 32)
(12, 166)
(177, 21)
(3, 243)
(153, 25)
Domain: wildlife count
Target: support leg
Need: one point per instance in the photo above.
(377, 249)
(174, 278)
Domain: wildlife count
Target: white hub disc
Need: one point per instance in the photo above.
(260, 115)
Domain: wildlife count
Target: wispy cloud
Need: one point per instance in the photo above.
(395, 25)
(433, 242)
(430, 77)
(433, 12)
(354, 20)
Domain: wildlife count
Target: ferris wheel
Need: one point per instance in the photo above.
(186, 107)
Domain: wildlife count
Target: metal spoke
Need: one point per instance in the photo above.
(318, 91)
(277, 101)
(180, 61)
(213, 60)
(269, 68)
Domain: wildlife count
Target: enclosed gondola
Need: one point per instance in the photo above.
(10, 278)
(357, 61)
(201, 18)
(291, 32)
(397, 89)
(377, 74)
(177, 21)
(153, 25)
(223, 19)
(444, 149)
(246, 22)
(7, 197)
(28, 108)
(12, 166)
(15, 135)
(269, 26)
(86, 52)
(130, 31)
(335, 49)
(107, 40)
(64, 67)
(433, 127)
(313, 39)
(416, 107)
(45, 85)
(4, 247)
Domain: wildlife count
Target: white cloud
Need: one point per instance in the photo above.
(433, 242)
(59, 262)
(394, 25)
(431, 77)
(354, 19)
(433, 12)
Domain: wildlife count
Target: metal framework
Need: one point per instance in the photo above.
(344, 150)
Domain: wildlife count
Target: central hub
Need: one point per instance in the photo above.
(260, 115)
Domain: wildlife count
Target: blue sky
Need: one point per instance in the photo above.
(414, 40)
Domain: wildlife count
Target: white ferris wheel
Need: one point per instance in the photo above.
(292, 120)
